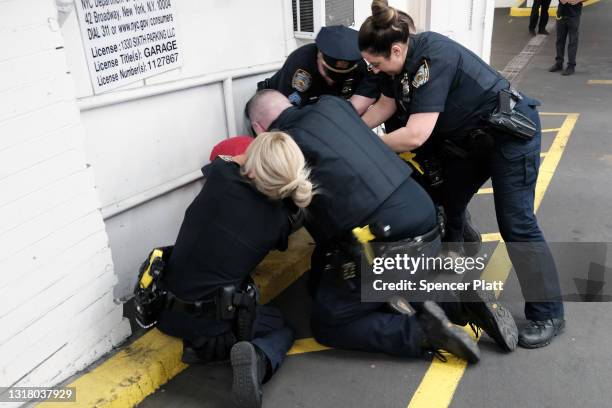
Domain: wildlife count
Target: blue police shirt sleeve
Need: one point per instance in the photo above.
(385, 85)
(432, 82)
(368, 86)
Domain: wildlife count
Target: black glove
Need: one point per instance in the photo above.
(265, 84)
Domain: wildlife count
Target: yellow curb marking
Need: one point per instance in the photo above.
(552, 11)
(307, 345)
(441, 379)
(599, 82)
(129, 376)
(136, 371)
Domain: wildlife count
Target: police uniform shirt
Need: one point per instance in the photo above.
(569, 10)
(440, 75)
(227, 231)
(299, 79)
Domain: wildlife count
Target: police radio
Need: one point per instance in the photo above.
(149, 297)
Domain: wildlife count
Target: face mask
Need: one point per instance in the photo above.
(336, 76)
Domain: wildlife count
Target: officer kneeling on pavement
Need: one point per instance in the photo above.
(467, 107)
(361, 182)
(204, 289)
(331, 66)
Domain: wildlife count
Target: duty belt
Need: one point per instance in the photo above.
(200, 308)
(222, 305)
(345, 259)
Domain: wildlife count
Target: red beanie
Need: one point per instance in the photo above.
(233, 146)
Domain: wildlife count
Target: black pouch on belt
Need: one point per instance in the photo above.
(509, 120)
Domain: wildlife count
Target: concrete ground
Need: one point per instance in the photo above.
(575, 370)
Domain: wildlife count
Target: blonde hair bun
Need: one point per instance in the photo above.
(277, 168)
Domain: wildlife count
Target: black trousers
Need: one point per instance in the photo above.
(513, 167)
(567, 27)
(270, 332)
(340, 319)
(539, 9)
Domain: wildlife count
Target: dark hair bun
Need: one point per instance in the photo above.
(383, 16)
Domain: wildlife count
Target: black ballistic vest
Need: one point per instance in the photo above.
(228, 229)
(353, 170)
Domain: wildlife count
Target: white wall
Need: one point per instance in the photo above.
(507, 3)
(56, 286)
(469, 22)
(137, 146)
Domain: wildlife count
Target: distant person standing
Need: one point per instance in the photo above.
(539, 9)
(568, 21)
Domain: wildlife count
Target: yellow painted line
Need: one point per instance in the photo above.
(526, 11)
(553, 156)
(438, 387)
(599, 82)
(552, 11)
(442, 379)
(492, 237)
(543, 154)
(485, 190)
(307, 345)
(550, 130)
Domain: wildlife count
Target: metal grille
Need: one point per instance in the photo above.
(515, 67)
(339, 12)
(303, 19)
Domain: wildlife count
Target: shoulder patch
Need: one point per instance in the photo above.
(225, 157)
(422, 75)
(301, 80)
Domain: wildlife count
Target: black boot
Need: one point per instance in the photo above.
(539, 333)
(481, 310)
(557, 66)
(472, 239)
(249, 367)
(569, 70)
(440, 333)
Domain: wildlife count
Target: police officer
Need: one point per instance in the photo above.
(568, 23)
(362, 182)
(449, 93)
(232, 224)
(331, 66)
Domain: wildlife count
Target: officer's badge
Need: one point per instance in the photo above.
(422, 75)
(347, 88)
(405, 82)
(301, 80)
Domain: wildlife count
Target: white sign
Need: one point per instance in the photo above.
(127, 40)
